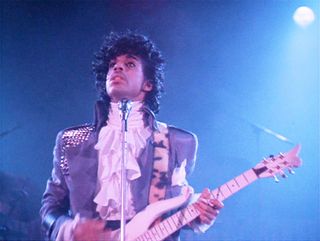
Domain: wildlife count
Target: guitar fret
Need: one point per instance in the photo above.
(142, 238)
(147, 236)
(185, 215)
(245, 177)
(167, 227)
(235, 180)
(225, 191)
(169, 223)
(251, 176)
(150, 237)
(194, 212)
(174, 220)
(216, 194)
(179, 219)
(241, 181)
(191, 212)
(163, 228)
(229, 188)
(158, 231)
(233, 186)
(154, 232)
(171, 220)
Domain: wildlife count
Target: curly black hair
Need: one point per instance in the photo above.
(139, 45)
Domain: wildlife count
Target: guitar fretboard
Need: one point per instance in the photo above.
(173, 223)
(234, 185)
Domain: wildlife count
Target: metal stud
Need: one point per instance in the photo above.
(72, 138)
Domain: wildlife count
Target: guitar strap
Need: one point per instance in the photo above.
(160, 163)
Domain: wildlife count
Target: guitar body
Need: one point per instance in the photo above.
(142, 221)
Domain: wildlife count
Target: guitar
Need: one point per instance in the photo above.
(138, 228)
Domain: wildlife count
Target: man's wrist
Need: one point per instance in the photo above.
(66, 231)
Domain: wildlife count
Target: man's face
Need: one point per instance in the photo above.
(125, 79)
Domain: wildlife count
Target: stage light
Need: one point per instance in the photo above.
(303, 16)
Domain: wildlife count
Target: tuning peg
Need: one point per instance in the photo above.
(265, 161)
(283, 175)
(291, 171)
(275, 178)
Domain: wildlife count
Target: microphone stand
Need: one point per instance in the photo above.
(124, 107)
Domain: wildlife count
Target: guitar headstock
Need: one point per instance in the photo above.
(277, 165)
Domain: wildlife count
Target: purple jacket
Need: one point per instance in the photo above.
(73, 183)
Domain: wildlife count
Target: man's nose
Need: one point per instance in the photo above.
(118, 67)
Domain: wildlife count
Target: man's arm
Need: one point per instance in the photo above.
(55, 200)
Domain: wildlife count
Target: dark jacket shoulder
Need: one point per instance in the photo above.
(75, 135)
(183, 135)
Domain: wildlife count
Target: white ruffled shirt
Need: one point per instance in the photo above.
(109, 143)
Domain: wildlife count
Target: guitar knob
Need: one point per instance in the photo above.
(275, 178)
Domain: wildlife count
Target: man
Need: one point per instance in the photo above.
(82, 198)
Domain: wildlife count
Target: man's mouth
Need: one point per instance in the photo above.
(117, 79)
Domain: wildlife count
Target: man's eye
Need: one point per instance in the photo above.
(131, 65)
(111, 64)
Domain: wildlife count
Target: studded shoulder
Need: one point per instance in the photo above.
(73, 137)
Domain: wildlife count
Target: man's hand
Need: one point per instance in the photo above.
(208, 207)
(89, 230)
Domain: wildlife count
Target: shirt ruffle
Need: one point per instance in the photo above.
(109, 144)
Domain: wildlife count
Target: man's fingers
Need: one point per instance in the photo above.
(208, 218)
(205, 193)
(216, 204)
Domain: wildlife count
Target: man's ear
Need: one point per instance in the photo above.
(147, 86)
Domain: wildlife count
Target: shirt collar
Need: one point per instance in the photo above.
(102, 110)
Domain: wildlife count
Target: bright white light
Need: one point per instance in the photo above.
(303, 16)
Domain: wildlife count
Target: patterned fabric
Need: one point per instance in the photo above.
(160, 164)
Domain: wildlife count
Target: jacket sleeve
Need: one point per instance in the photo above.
(55, 200)
(184, 147)
(185, 150)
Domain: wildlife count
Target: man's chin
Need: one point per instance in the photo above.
(117, 95)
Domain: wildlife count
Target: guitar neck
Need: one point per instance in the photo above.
(234, 185)
(173, 223)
